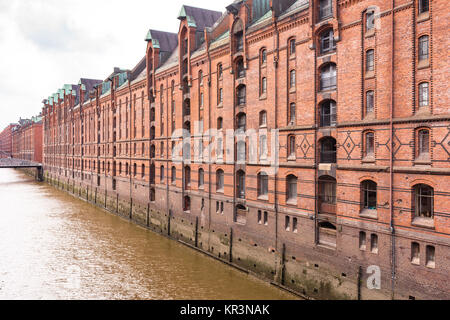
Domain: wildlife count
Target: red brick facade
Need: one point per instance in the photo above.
(356, 94)
(6, 141)
(27, 140)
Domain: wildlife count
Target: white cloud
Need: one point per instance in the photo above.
(45, 44)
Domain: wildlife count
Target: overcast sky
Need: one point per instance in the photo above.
(45, 44)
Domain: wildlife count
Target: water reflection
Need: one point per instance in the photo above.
(53, 246)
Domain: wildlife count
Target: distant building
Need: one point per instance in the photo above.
(27, 140)
(6, 141)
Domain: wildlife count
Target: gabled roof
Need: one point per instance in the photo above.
(164, 41)
(199, 18)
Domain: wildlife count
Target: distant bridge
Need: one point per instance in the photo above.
(7, 162)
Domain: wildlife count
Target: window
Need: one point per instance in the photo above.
(220, 96)
(415, 253)
(287, 223)
(424, 95)
(328, 150)
(187, 204)
(431, 252)
(143, 171)
(264, 85)
(424, 6)
(162, 174)
(200, 79)
(263, 184)
(370, 102)
(292, 147)
(370, 21)
(219, 181)
(240, 184)
(201, 100)
(295, 225)
(292, 114)
(219, 150)
(362, 241)
(187, 177)
(241, 95)
(263, 56)
(424, 201)
(219, 123)
(263, 119)
(369, 144)
(259, 217)
(292, 47)
(292, 79)
(201, 178)
(266, 218)
(327, 43)
(424, 48)
(374, 243)
(240, 70)
(291, 189)
(241, 152)
(328, 77)
(370, 62)
(327, 190)
(239, 41)
(174, 175)
(219, 71)
(328, 114)
(242, 122)
(369, 195)
(263, 152)
(424, 143)
(325, 9)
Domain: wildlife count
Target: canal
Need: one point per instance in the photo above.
(53, 246)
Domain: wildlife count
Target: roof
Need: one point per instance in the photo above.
(164, 41)
(199, 18)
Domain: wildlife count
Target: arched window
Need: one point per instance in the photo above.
(219, 123)
(291, 189)
(201, 178)
(241, 94)
(263, 184)
(263, 56)
(263, 151)
(415, 253)
(240, 184)
(292, 47)
(200, 77)
(219, 181)
(374, 243)
(328, 114)
(263, 119)
(135, 169)
(238, 35)
(424, 201)
(369, 195)
(219, 71)
(328, 150)
(162, 174)
(143, 171)
(152, 151)
(327, 42)
(424, 48)
(328, 77)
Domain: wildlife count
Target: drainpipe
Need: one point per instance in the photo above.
(276, 60)
(392, 227)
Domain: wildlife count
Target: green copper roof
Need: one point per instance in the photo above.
(190, 20)
(155, 42)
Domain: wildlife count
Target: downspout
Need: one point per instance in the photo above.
(275, 62)
(392, 227)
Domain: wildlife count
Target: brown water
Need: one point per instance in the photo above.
(53, 246)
